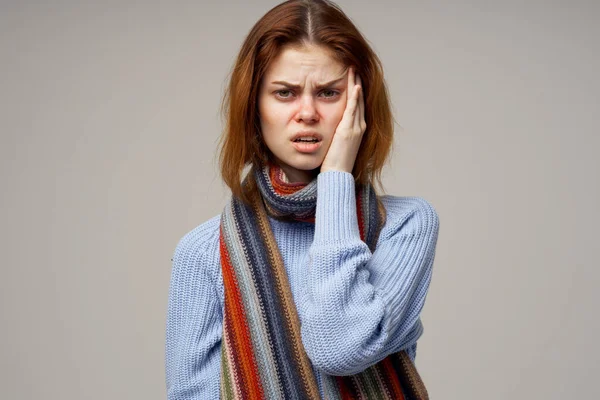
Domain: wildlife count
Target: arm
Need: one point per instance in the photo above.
(359, 306)
(194, 322)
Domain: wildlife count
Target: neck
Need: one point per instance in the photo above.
(292, 175)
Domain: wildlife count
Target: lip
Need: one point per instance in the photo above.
(307, 147)
(307, 134)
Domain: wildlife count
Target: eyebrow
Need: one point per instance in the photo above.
(318, 86)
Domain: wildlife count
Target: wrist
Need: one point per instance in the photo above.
(335, 168)
(336, 217)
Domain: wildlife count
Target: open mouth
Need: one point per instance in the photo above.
(307, 140)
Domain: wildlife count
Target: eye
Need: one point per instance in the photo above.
(330, 94)
(284, 93)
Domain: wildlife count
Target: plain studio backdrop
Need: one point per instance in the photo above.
(109, 122)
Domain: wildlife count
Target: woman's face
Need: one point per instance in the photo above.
(303, 93)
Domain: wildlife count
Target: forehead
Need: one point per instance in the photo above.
(298, 63)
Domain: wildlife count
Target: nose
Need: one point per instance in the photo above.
(308, 111)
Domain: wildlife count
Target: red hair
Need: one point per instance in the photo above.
(298, 23)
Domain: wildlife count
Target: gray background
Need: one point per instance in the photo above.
(109, 121)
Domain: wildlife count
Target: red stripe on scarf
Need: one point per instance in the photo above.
(344, 386)
(359, 214)
(281, 187)
(242, 346)
(392, 380)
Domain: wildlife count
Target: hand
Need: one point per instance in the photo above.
(343, 149)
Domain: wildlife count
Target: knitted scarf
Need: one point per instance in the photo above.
(262, 356)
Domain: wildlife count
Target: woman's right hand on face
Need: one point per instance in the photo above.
(347, 137)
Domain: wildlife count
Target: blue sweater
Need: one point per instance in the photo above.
(355, 307)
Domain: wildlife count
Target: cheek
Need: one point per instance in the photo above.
(272, 113)
(334, 112)
(263, 110)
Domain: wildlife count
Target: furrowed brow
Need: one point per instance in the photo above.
(318, 86)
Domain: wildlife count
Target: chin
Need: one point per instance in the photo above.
(306, 166)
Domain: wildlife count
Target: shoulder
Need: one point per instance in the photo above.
(197, 248)
(409, 215)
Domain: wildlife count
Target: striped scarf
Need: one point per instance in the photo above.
(262, 356)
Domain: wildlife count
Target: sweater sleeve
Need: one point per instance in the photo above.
(194, 322)
(358, 307)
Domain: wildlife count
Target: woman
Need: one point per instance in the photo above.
(290, 294)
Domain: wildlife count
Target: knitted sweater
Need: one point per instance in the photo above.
(355, 307)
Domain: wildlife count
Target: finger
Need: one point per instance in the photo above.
(350, 92)
(357, 113)
(351, 80)
(347, 122)
(350, 84)
(361, 104)
(352, 105)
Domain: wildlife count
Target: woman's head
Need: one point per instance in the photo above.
(303, 43)
(303, 92)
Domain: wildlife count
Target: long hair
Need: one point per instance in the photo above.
(297, 23)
